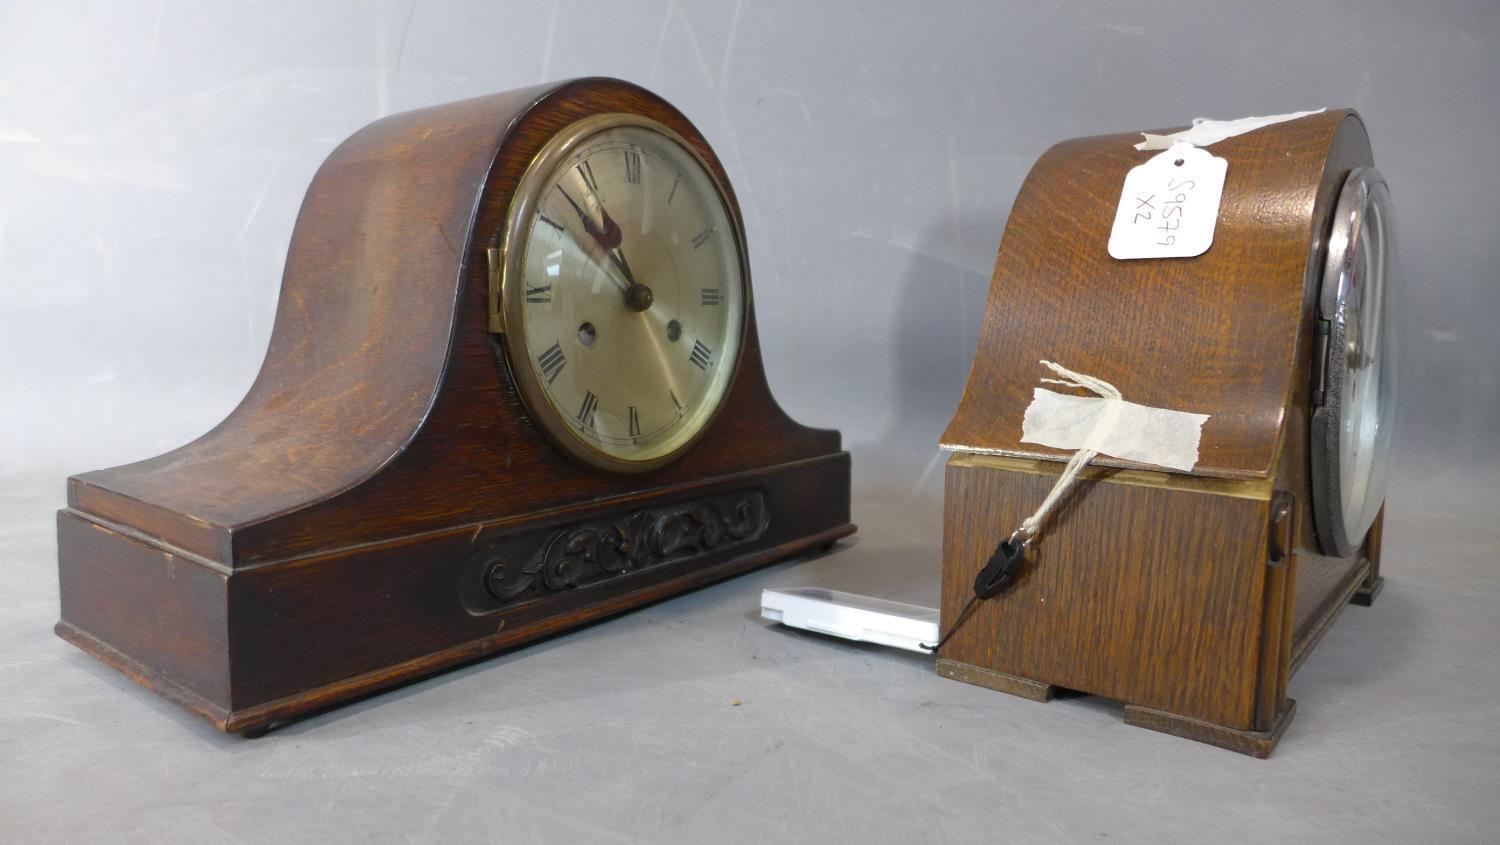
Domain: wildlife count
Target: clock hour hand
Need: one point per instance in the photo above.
(610, 236)
(638, 297)
(610, 239)
(607, 234)
(617, 256)
(601, 237)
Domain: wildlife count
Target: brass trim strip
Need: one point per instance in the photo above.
(1259, 489)
(496, 258)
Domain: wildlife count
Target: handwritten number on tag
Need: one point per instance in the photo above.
(1169, 205)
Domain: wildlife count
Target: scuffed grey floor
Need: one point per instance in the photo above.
(694, 721)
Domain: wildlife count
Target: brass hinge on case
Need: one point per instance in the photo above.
(496, 257)
(1279, 538)
(1320, 364)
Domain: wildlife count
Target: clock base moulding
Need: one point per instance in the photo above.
(252, 647)
(381, 505)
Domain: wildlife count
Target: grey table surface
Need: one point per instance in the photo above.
(693, 720)
(153, 157)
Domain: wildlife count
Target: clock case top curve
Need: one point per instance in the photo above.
(1228, 333)
(384, 406)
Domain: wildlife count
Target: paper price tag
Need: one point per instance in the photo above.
(1169, 205)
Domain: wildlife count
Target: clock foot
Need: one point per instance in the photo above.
(1365, 595)
(258, 731)
(998, 681)
(1254, 743)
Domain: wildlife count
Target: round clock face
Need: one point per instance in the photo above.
(1352, 430)
(624, 292)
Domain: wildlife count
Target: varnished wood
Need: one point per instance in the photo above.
(1215, 334)
(1373, 583)
(381, 364)
(1191, 597)
(1126, 597)
(998, 681)
(335, 526)
(1324, 601)
(1257, 743)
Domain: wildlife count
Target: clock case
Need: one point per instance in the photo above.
(381, 505)
(1190, 597)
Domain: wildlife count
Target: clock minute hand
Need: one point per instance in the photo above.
(611, 236)
(602, 238)
(588, 222)
(638, 297)
(606, 233)
(618, 257)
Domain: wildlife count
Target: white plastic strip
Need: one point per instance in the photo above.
(1205, 131)
(852, 617)
(1139, 433)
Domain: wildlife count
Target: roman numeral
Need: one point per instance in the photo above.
(590, 404)
(712, 296)
(635, 422)
(552, 362)
(675, 403)
(632, 167)
(673, 192)
(586, 173)
(550, 222)
(702, 237)
(541, 294)
(701, 355)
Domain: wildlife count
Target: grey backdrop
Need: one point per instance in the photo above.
(152, 159)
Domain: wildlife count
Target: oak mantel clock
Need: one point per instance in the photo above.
(1190, 596)
(514, 385)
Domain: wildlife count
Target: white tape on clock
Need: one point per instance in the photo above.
(1204, 131)
(1139, 433)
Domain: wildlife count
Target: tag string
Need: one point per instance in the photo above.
(1009, 557)
(1102, 429)
(957, 623)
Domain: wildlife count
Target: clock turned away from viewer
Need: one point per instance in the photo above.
(514, 385)
(1190, 596)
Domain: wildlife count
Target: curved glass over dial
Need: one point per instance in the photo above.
(1353, 428)
(624, 294)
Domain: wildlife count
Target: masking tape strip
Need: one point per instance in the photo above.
(1205, 131)
(1140, 433)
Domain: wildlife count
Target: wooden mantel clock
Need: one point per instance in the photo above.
(514, 385)
(1190, 596)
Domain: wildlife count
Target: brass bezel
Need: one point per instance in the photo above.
(506, 294)
(1363, 202)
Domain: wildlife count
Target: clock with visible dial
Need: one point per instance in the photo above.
(1353, 423)
(622, 292)
(478, 440)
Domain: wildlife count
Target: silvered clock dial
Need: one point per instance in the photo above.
(1352, 424)
(622, 292)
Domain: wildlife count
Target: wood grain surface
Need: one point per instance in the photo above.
(1218, 334)
(381, 366)
(1135, 593)
(1191, 597)
(341, 531)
